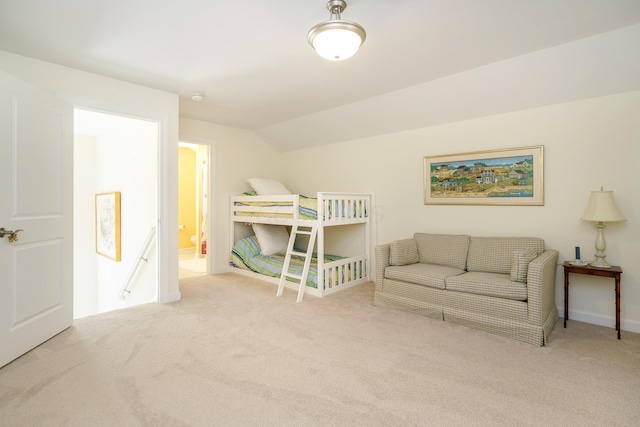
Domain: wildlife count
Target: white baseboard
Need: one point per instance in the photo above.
(220, 270)
(597, 319)
(172, 297)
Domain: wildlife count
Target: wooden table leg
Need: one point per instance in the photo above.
(566, 298)
(618, 304)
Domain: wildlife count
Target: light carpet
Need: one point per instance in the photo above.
(195, 265)
(231, 353)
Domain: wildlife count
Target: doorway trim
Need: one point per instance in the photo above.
(213, 214)
(163, 249)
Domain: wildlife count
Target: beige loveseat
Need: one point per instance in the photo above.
(503, 285)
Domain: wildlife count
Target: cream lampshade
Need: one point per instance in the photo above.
(602, 208)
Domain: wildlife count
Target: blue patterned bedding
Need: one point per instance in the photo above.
(307, 207)
(246, 255)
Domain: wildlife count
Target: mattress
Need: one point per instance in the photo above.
(246, 255)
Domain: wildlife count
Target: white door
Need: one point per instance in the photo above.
(36, 196)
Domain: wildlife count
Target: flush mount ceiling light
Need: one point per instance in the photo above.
(197, 96)
(336, 39)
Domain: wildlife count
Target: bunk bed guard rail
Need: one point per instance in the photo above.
(341, 209)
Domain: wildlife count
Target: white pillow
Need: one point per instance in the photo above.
(273, 239)
(268, 187)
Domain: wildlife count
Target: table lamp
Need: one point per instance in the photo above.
(602, 208)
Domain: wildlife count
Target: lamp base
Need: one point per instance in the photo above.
(601, 245)
(600, 263)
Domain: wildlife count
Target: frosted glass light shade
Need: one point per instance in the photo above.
(336, 40)
(602, 207)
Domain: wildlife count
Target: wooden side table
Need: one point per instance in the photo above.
(613, 272)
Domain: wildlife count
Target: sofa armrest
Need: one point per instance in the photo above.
(382, 253)
(541, 286)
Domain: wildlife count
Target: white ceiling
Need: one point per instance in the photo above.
(424, 61)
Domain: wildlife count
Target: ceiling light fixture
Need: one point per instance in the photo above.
(336, 39)
(197, 97)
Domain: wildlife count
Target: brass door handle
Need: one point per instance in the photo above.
(13, 235)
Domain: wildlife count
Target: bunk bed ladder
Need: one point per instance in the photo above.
(295, 230)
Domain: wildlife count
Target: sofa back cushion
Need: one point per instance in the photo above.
(494, 254)
(443, 249)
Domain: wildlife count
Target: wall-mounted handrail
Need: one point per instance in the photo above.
(142, 256)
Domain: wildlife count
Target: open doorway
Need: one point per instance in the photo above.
(193, 208)
(115, 154)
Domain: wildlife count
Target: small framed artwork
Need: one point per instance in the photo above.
(512, 176)
(108, 225)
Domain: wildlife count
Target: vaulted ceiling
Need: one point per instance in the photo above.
(424, 62)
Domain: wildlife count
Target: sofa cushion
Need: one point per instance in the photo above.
(443, 249)
(520, 264)
(422, 274)
(489, 284)
(493, 254)
(403, 252)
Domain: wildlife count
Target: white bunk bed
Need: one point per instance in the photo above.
(332, 209)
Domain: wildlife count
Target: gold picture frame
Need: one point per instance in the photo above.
(512, 176)
(108, 225)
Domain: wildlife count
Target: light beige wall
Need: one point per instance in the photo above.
(236, 156)
(588, 144)
(102, 93)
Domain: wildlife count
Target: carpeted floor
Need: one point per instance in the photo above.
(194, 265)
(230, 353)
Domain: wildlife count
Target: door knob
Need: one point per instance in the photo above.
(13, 235)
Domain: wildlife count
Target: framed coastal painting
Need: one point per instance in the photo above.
(108, 225)
(512, 176)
